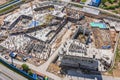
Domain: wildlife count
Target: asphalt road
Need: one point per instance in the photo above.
(7, 74)
(4, 77)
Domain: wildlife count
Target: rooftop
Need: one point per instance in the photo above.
(91, 11)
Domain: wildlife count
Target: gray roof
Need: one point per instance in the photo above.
(91, 10)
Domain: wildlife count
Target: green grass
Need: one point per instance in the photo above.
(24, 0)
(115, 11)
(117, 59)
(110, 71)
(5, 9)
(83, 0)
(77, 5)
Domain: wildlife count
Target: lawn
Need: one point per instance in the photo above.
(83, 1)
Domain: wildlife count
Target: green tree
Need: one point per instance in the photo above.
(103, 2)
(25, 67)
(111, 1)
(30, 73)
(46, 78)
(119, 3)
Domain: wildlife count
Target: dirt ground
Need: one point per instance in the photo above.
(116, 69)
(55, 69)
(116, 72)
(1, 19)
(3, 1)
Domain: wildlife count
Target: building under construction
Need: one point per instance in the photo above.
(74, 15)
(81, 51)
(32, 32)
(78, 55)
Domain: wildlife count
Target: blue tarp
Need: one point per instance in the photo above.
(96, 1)
(106, 47)
(34, 24)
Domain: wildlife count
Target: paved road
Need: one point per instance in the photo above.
(7, 74)
(4, 77)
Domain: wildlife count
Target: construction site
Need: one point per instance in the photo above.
(92, 42)
(82, 39)
(31, 35)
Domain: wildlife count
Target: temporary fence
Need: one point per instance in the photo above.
(17, 70)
